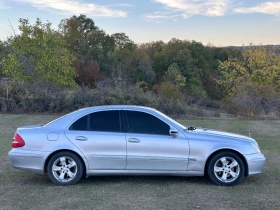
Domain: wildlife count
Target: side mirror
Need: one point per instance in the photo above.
(173, 132)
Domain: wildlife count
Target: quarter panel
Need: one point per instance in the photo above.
(37, 142)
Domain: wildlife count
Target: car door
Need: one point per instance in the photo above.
(151, 147)
(100, 138)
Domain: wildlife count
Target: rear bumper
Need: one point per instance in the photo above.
(28, 160)
(255, 163)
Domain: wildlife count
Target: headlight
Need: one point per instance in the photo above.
(255, 144)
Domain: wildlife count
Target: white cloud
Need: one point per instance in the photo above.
(75, 7)
(126, 5)
(188, 8)
(120, 5)
(272, 8)
(3, 6)
(159, 15)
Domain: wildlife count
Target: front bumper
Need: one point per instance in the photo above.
(28, 160)
(255, 163)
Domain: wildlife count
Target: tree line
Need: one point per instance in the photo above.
(79, 54)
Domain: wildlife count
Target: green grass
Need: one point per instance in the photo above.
(24, 190)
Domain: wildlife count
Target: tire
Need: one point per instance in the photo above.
(226, 169)
(65, 168)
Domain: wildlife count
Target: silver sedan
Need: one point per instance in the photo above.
(132, 140)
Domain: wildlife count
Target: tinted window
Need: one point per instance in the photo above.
(81, 124)
(98, 121)
(105, 121)
(140, 122)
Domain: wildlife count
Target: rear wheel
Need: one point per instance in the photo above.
(65, 168)
(225, 168)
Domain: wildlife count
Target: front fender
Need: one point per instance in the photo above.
(201, 150)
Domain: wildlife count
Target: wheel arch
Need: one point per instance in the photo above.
(64, 150)
(229, 150)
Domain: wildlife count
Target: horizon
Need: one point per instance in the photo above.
(221, 23)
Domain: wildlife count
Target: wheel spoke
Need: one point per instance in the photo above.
(61, 176)
(62, 160)
(224, 177)
(218, 169)
(70, 174)
(233, 174)
(233, 164)
(56, 168)
(224, 161)
(72, 164)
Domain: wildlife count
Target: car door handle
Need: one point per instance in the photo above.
(81, 138)
(133, 140)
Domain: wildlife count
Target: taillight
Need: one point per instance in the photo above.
(17, 141)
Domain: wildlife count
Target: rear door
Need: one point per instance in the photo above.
(150, 147)
(100, 137)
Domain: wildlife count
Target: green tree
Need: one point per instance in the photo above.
(146, 71)
(174, 76)
(256, 65)
(123, 42)
(160, 64)
(85, 40)
(180, 52)
(170, 91)
(39, 53)
(4, 51)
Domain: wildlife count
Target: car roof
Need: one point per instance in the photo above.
(64, 121)
(117, 107)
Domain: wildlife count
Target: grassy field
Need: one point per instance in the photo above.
(24, 190)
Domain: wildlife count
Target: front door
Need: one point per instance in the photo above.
(150, 147)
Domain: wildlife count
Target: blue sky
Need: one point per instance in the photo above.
(218, 22)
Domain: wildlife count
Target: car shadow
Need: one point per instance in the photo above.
(39, 179)
(163, 180)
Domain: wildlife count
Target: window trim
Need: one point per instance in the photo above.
(124, 122)
(127, 122)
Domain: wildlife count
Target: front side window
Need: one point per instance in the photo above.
(104, 121)
(140, 122)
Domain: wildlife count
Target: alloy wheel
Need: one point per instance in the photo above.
(226, 169)
(64, 169)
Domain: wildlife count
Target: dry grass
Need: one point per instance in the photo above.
(24, 190)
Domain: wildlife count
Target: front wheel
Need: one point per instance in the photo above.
(225, 168)
(65, 168)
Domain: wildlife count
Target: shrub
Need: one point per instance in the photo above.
(253, 100)
(169, 90)
(88, 72)
(54, 99)
(209, 103)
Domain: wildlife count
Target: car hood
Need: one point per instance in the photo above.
(206, 131)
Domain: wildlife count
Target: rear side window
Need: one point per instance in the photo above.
(140, 122)
(104, 121)
(81, 124)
